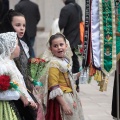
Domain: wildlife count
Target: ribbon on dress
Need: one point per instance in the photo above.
(86, 33)
(107, 36)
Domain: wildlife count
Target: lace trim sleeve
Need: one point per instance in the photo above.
(55, 92)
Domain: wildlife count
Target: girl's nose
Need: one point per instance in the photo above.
(22, 27)
(59, 47)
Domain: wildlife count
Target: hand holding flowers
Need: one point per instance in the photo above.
(36, 70)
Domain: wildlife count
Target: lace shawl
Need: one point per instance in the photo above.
(57, 63)
(25, 47)
(22, 64)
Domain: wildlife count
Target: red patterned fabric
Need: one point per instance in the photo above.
(53, 110)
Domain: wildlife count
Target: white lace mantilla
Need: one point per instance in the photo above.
(8, 42)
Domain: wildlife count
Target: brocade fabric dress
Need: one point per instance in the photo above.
(60, 82)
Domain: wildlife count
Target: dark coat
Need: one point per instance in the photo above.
(1, 5)
(3, 8)
(114, 98)
(32, 14)
(70, 17)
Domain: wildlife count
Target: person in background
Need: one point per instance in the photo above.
(69, 20)
(32, 15)
(1, 5)
(4, 9)
(114, 98)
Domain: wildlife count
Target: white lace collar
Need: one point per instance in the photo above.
(62, 64)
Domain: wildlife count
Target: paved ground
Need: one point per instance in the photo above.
(96, 104)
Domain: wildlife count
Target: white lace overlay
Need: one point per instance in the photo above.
(17, 76)
(9, 95)
(56, 92)
(8, 42)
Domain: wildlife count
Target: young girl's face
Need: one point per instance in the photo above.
(19, 24)
(16, 52)
(58, 47)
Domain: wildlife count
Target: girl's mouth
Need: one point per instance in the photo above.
(60, 51)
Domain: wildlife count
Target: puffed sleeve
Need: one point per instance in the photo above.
(9, 95)
(53, 83)
(53, 77)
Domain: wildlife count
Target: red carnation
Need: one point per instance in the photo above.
(4, 82)
(81, 50)
(42, 60)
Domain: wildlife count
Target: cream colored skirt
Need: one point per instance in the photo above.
(77, 112)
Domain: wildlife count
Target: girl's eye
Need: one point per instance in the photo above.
(17, 24)
(61, 44)
(55, 45)
(24, 25)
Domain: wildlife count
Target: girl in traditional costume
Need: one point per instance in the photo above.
(60, 97)
(9, 49)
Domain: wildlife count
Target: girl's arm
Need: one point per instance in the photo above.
(55, 91)
(64, 105)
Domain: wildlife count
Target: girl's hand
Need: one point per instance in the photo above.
(33, 105)
(74, 105)
(67, 109)
(24, 100)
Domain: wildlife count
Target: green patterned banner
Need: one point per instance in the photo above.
(117, 18)
(107, 36)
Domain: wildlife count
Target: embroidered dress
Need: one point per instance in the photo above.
(61, 82)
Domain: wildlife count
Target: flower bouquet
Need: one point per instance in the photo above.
(6, 83)
(36, 70)
(5, 106)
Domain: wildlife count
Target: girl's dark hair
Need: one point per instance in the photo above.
(6, 25)
(13, 13)
(57, 35)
